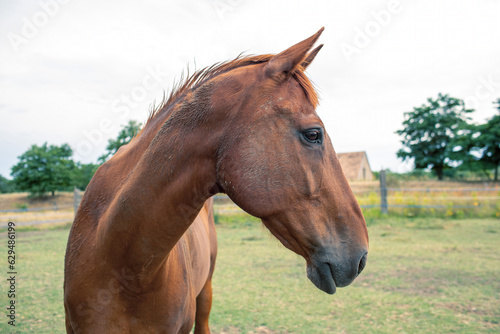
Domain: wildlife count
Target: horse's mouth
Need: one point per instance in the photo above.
(328, 275)
(322, 276)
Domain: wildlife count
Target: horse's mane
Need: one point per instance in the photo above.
(199, 77)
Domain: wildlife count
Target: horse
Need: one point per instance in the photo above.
(141, 250)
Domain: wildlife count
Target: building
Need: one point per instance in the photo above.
(355, 166)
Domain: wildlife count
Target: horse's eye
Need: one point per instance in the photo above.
(312, 136)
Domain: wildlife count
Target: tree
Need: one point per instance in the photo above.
(124, 137)
(43, 169)
(82, 174)
(432, 132)
(6, 185)
(486, 143)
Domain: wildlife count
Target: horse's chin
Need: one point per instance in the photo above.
(322, 277)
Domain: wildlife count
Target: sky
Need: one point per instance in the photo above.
(76, 71)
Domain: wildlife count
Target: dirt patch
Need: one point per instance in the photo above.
(489, 314)
(460, 308)
(422, 282)
(21, 200)
(258, 330)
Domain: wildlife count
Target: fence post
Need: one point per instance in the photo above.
(383, 193)
(76, 199)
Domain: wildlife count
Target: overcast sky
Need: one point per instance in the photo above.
(74, 71)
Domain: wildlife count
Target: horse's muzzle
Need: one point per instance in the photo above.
(328, 274)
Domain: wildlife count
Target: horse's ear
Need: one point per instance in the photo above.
(285, 63)
(310, 56)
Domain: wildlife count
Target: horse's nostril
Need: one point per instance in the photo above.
(362, 264)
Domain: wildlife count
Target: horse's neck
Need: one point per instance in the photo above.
(164, 191)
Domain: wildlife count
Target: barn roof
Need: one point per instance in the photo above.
(351, 163)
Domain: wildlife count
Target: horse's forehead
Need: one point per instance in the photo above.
(270, 95)
(293, 91)
(294, 103)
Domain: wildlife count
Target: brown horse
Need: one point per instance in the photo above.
(142, 248)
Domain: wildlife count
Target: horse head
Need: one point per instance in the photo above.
(277, 163)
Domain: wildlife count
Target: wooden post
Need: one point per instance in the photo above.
(383, 193)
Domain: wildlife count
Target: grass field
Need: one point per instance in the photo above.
(422, 276)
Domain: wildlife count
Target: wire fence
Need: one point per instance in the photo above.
(381, 198)
(457, 201)
(65, 213)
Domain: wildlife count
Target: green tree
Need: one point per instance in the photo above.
(6, 185)
(43, 169)
(82, 174)
(486, 143)
(431, 134)
(126, 134)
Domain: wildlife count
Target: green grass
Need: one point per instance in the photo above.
(40, 262)
(422, 276)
